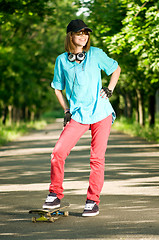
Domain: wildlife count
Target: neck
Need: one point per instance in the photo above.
(78, 50)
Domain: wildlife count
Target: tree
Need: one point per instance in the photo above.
(129, 31)
(32, 35)
(139, 37)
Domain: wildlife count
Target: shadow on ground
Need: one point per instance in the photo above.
(129, 204)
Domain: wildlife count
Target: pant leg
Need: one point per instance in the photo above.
(100, 133)
(68, 139)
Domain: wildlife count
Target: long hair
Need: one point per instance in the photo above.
(70, 47)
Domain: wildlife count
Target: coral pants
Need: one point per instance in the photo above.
(70, 135)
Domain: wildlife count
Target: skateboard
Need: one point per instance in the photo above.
(49, 215)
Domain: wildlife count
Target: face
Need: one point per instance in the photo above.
(80, 38)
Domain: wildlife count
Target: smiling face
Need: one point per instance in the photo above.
(80, 39)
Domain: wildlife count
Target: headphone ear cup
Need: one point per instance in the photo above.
(80, 56)
(71, 57)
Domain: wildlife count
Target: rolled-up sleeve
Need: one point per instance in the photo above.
(59, 78)
(107, 64)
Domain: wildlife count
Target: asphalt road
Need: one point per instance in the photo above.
(129, 207)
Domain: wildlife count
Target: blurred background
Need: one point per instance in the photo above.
(32, 35)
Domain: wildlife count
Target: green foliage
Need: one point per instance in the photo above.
(105, 18)
(50, 115)
(129, 31)
(130, 126)
(32, 35)
(140, 39)
(11, 132)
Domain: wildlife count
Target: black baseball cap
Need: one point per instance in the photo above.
(77, 25)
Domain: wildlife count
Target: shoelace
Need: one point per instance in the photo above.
(89, 206)
(50, 198)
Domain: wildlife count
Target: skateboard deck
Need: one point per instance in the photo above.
(49, 215)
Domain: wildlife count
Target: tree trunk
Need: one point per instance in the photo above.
(26, 113)
(129, 106)
(32, 117)
(152, 103)
(14, 114)
(10, 107)
(18, 115)
(140, 108)
(4, 115)
(136, 112)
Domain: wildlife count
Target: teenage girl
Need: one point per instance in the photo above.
(78, 70)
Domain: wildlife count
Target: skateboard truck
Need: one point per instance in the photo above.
(49, 215)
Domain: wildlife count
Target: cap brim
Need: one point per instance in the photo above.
(86, 28)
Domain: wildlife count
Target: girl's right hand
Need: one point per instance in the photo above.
(67, 118)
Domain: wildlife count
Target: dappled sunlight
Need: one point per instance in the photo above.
(30, 151)
(76, 206)
(30, 173)
(129, 198)
(8, 177)
(137, 154)
(17, 219)
(5, 207)
(11, 168)
(24, 187)
(39, 137)
(27, 151)
(9, 234)
(133, 146)
(124, 187)
(115, 237)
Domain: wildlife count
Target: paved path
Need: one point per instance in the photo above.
(129, 207)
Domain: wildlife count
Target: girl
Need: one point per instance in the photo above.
(79, 71)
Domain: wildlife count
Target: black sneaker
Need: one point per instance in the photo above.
(52, 201)
(91, 209)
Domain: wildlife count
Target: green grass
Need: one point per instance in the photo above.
(11, 132)
(49, 116)
(131, 127)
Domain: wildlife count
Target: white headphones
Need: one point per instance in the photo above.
(78, 56)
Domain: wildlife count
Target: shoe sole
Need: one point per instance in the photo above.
(51, 207)
(90, 214)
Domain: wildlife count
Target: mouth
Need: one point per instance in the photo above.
(83, 39)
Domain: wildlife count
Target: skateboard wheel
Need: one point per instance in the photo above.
(66, 213)
(48, 214)
(57, 213)
(34, 219)
(51, 219)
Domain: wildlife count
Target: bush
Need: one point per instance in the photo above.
(11, 132)
(131, 127)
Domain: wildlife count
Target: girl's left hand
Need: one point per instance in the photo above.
(105, 92)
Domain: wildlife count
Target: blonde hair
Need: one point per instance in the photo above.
(70, 47)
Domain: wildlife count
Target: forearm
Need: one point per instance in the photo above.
(114, 78)
(61, 99)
